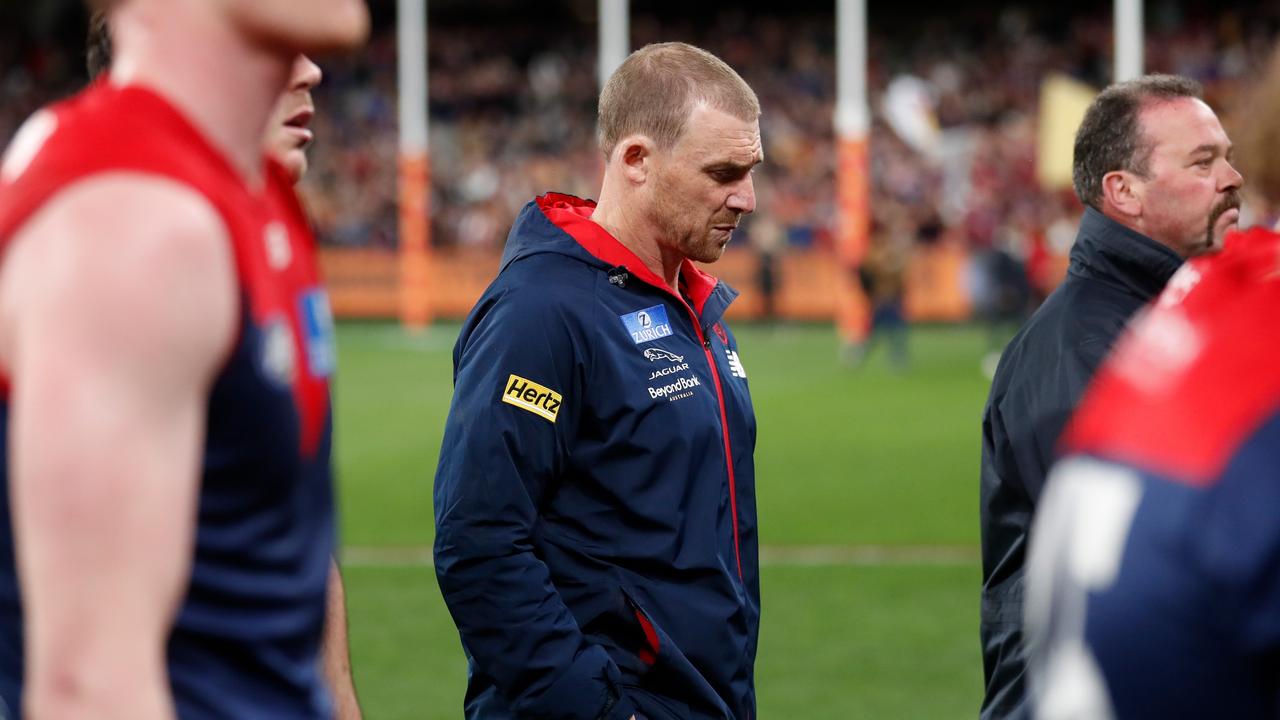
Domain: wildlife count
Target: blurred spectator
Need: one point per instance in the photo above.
(768, 241)
(883, 276)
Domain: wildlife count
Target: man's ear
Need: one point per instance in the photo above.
(1122, 191)
(633, 155)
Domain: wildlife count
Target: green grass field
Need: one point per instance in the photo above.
(867, 484)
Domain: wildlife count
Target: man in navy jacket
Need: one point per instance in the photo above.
(1152, 166)
(595, 498)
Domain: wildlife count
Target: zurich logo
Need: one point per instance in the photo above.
(656, 354)
(648, 324)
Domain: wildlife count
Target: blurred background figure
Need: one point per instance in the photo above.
(767, 239)
(1152, 586)
(1002, 300)
(882, 276)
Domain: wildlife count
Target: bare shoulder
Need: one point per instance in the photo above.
(119, 258)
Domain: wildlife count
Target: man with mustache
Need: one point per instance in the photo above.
(595, 498)
(1152, 165)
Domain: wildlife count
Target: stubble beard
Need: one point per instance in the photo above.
(704, 248)
(691, 241)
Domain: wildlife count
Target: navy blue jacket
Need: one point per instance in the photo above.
(1114, 271)
(595, 498)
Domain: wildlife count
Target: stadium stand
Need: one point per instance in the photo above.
(512, 103)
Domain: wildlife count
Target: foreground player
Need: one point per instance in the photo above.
(1153, 589)
(595, 499)
(158, 302)
(287, 140)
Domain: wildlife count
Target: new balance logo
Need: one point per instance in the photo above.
(735, 365)
(529, 395)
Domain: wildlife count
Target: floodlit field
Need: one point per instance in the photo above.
(868, 501)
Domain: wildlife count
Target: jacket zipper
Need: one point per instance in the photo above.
(724, 424)
(728, 449)
(724, 417)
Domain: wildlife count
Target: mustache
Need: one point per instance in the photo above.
(1230, 201)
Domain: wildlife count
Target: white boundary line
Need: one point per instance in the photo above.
(775, 555)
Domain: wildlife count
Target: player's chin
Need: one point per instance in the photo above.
(294, 162)
(711, 250)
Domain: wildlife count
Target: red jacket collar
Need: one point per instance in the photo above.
(573, 215)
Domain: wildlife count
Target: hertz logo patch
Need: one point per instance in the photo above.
(529, 395)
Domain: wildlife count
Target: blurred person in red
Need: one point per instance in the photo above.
(166, 520)
(1152, 585)
(288, 131)
(287, 139)
(1152, 164)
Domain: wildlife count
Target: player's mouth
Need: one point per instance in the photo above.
(298, 125)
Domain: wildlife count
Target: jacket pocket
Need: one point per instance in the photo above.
(653, 706)
(669, 687)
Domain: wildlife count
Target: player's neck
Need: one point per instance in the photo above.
(637, 234)
(223, 84)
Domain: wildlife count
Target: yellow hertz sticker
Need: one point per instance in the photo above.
(529, 395)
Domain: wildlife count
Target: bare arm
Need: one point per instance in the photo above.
(336, 654)
(117, 305)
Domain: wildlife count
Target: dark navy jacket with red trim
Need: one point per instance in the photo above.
(1155, 561)
(595, 498)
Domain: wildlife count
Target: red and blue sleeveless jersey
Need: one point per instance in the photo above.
(1154, 580)
(246, 641)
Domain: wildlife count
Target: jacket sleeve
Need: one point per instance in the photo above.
(518, 389)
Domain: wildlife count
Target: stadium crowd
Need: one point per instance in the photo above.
(954, 100)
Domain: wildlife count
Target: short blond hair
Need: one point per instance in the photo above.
(656, 88)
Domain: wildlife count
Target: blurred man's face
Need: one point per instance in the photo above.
(1191, 199)
(307, 26)
(702, 185)
(288, 134)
